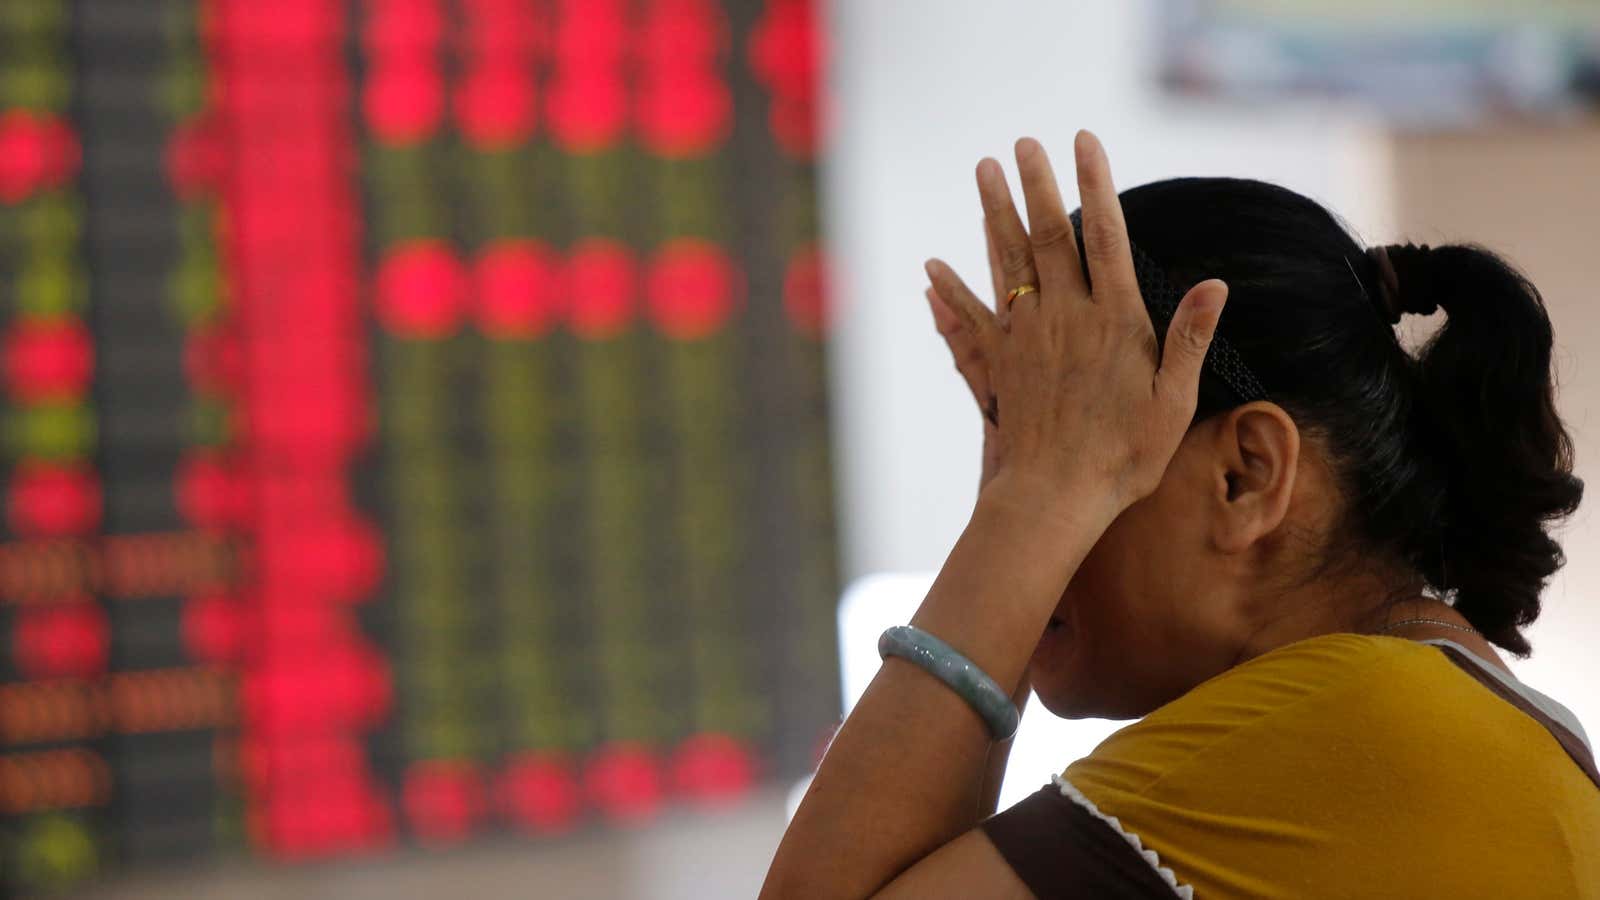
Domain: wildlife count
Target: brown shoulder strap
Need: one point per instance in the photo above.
(1569, 741)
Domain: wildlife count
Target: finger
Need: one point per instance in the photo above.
(969, 358)
(1055, 246)
(1183, 352)
(1010, 236)
(945, 319)
(1105, 234)
(996, 275)
(979, 319)
(996, 268)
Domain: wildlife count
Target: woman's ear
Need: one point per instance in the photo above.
(1256, 462)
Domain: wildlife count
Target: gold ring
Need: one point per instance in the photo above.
(1019, 290)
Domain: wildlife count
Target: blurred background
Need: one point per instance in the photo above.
(473, 445)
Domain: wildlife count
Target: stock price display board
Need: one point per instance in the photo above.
(413, 422)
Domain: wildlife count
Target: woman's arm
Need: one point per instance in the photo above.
(1091, 407)
(905, 773)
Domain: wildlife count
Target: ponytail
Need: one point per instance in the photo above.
(1485, 407)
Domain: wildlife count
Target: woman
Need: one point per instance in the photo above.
(1241, 533)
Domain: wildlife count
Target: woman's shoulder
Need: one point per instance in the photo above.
(1310, 663)
(1336, 685)
(1320, 667)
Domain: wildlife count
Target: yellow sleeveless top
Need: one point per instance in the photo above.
(1342, 765)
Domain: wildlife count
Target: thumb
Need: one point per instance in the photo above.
(1188, 339)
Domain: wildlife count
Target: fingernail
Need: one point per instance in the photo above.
(931, 267)
(1027, 147)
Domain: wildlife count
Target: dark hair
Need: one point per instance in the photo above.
(1454, 461)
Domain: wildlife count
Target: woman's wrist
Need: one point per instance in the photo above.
(1007, 571)
(1044, 502)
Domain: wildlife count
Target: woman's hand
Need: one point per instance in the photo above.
(1088, 403)
(969, 358)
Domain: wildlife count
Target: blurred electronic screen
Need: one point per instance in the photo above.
(413, 420)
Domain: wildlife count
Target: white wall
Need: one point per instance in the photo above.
(924, 88)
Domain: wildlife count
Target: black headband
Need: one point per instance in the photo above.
(1162, 297)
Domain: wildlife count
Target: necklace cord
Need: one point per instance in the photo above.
(1393, 625)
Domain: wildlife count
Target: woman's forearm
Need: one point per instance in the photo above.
(905, 773)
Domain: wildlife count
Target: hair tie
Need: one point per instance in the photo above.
(1387, 300)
